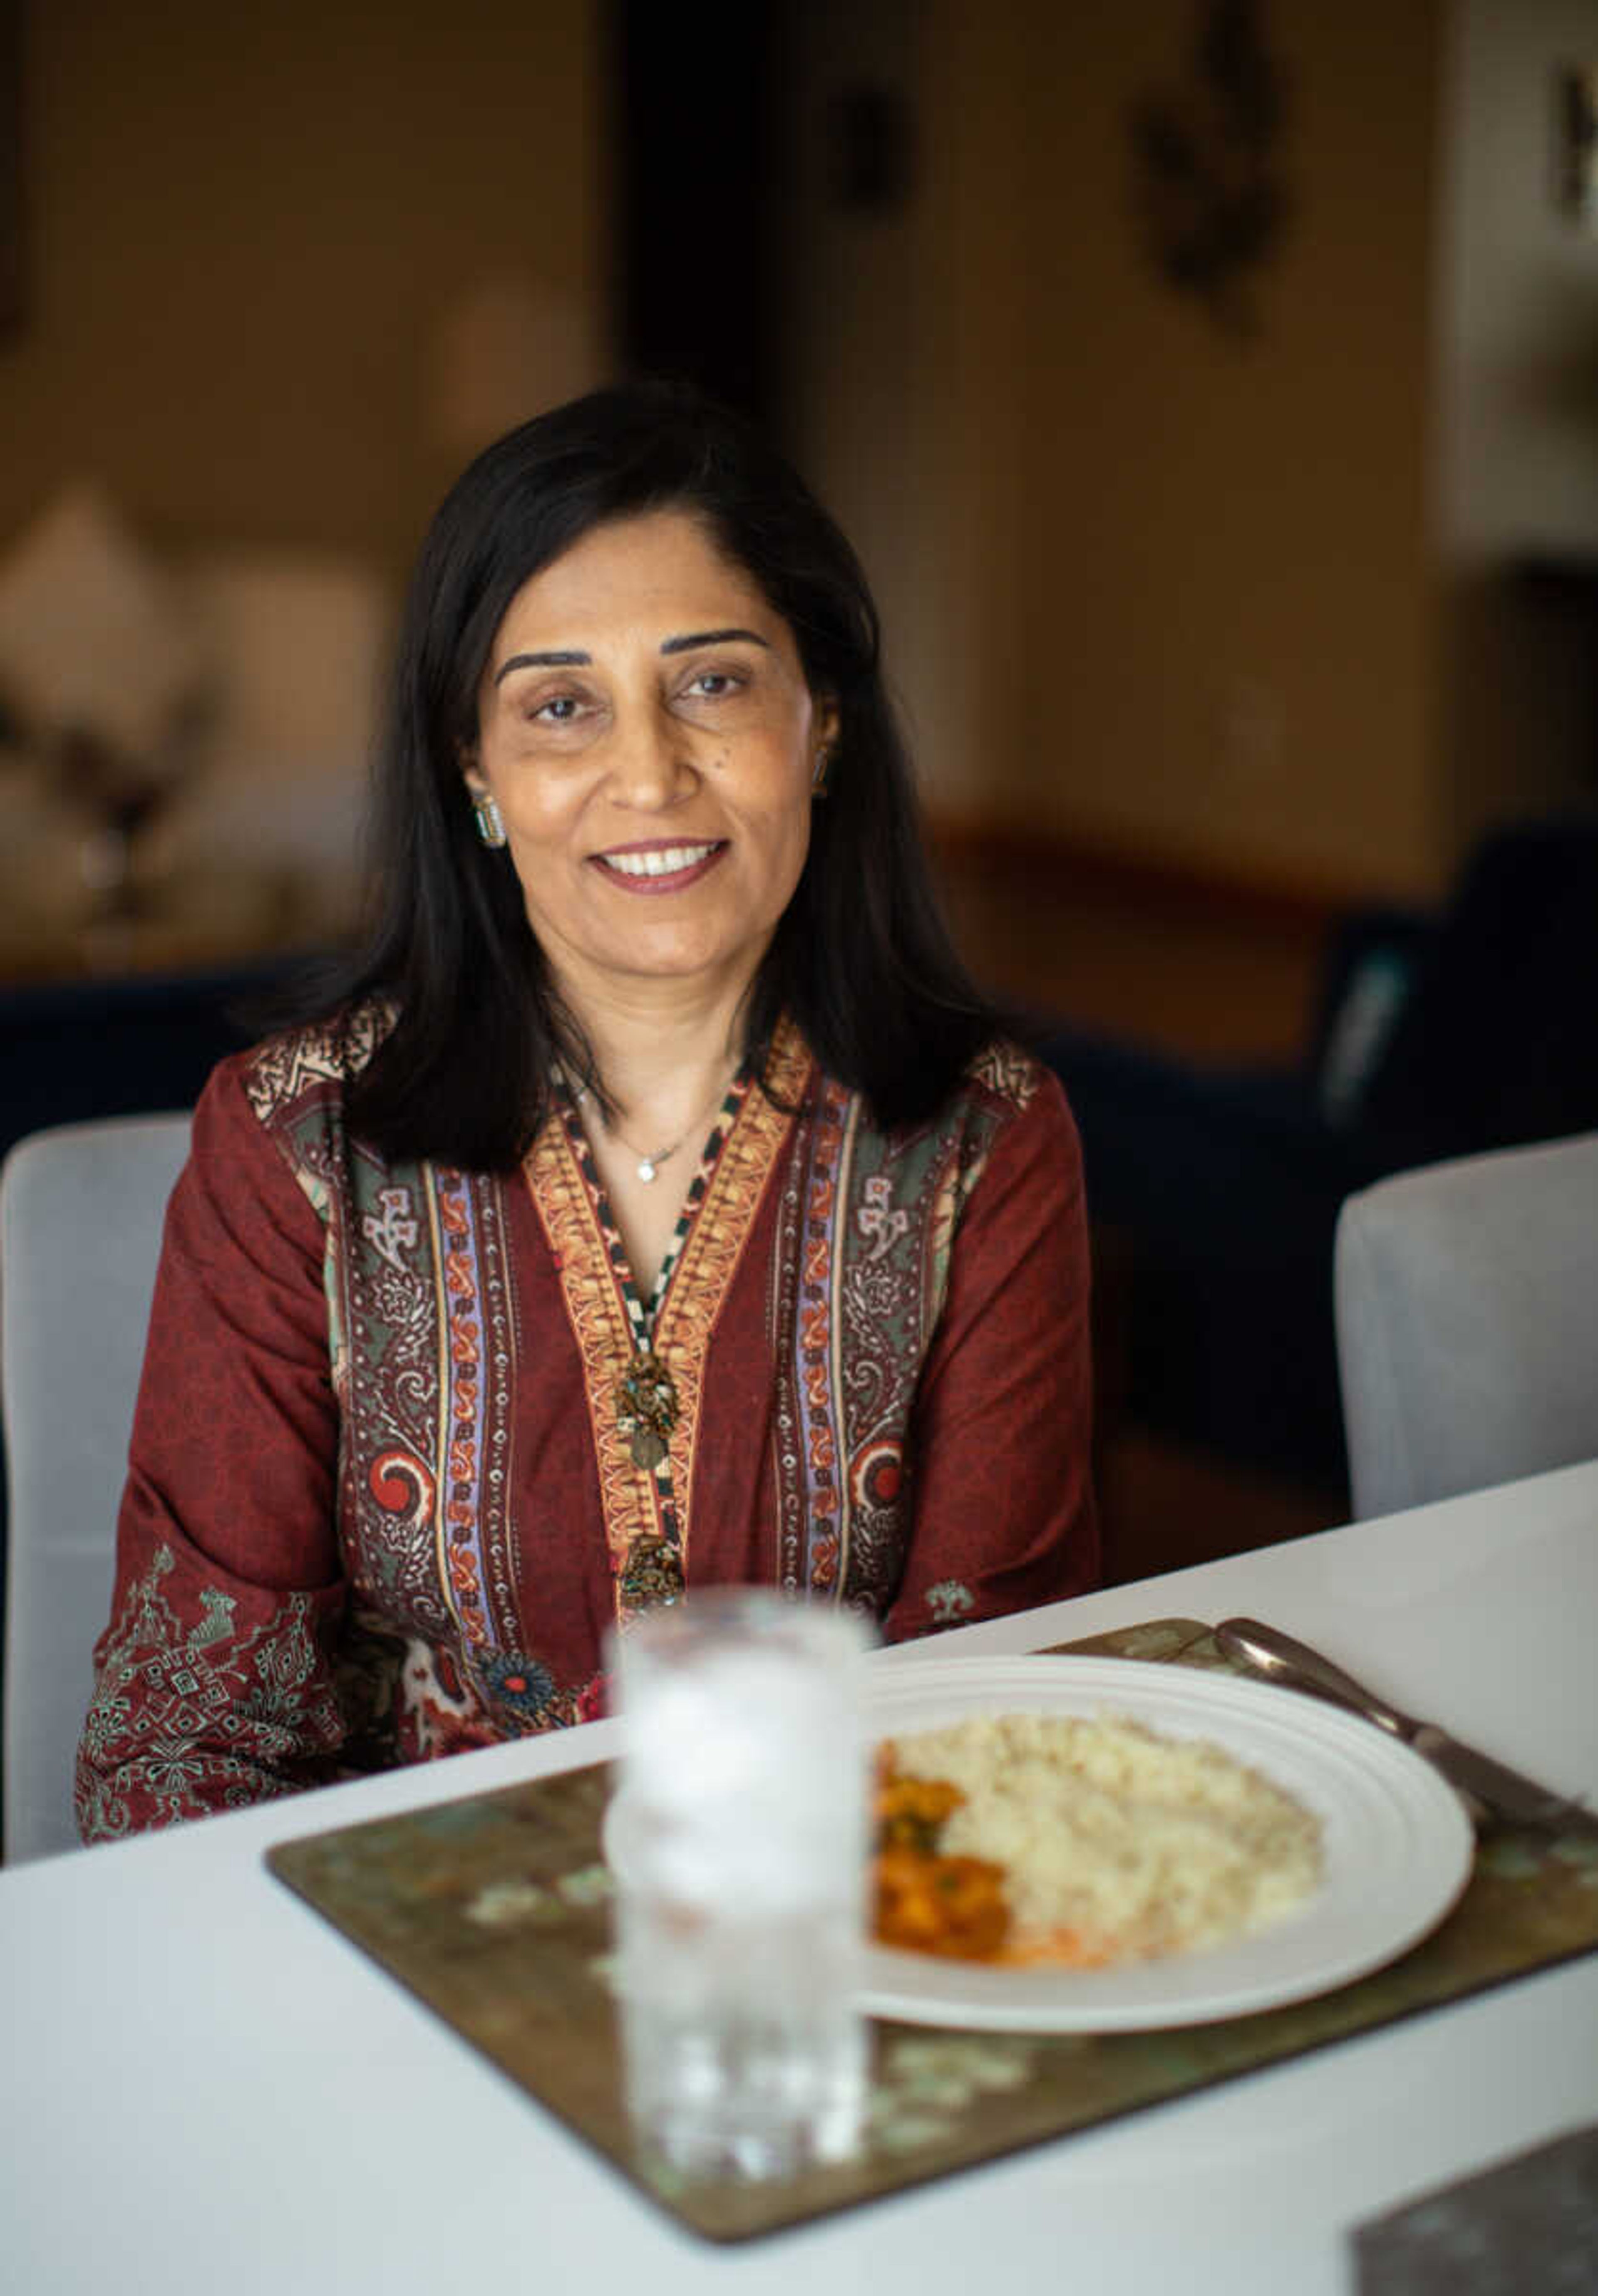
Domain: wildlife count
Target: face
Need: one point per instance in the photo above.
(645, 726)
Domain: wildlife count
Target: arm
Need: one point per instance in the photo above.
(213, 1682)
(1003, 1496)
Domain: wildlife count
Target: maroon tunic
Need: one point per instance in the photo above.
(387, 1491)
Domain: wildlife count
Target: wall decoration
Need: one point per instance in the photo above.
(1211, 198)
(1576, 143)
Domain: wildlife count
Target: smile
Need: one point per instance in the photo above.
(661, 868)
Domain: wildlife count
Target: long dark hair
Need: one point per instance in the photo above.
(861, 957)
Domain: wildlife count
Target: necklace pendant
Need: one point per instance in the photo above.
(647, 1409)
(645, 1169)
(647, 1449)
(652, 1575)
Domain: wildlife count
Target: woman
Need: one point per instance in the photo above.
(652, 1206)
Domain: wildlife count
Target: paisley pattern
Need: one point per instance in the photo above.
(859, 1283)
(448, 1505)
(423, 1355)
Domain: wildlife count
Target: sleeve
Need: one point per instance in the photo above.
(214, 1680)
(1002, 1498)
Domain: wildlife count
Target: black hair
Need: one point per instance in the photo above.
(860, 958)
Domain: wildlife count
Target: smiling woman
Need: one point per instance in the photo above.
(652, 1203)
(649, 741)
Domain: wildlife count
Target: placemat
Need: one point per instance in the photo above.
(1527, 2223)
(494, 1911)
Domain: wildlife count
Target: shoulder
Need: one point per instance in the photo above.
(1010, 1136)
(310, 1065)
(1005, 1092)
(1007, 1080)
(1007, 1096)
(281, 1103)
(1005, 1125)
(1006, 1073)
(1016, 1123)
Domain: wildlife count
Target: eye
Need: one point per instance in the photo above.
(714, 685)
(561, 712)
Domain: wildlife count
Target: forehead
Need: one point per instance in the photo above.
(655, 576)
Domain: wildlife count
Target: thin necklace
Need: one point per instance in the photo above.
(644, 1392)
(648, 1166)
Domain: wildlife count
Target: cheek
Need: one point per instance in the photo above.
(536, 806)
(792, 841)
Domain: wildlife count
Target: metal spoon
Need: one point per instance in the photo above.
(1486, 1786)
(1269, 1652)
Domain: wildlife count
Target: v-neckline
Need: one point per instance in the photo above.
(645, 1315)
(625, 1347)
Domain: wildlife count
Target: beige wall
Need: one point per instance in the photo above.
(1153, 589)
(275, 249)
(1146, 586)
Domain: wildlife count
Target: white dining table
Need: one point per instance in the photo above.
(205, 2088)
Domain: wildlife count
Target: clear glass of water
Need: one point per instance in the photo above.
(738, 1839)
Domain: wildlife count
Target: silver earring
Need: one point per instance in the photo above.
(818, 780)
(491, 827)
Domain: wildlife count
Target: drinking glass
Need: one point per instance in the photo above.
(738, 1839)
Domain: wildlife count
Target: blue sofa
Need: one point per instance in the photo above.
(1214, 1191)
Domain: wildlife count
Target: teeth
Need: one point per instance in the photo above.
(661, 863)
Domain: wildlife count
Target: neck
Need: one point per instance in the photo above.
(662, 1058)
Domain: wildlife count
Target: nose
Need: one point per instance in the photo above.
(652, 766)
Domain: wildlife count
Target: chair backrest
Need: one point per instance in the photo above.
(1496, 1043)
(1467, 1322)
(81, 1213)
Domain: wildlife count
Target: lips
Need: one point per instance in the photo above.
(659, 868)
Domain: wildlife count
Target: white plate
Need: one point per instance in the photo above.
(1396, 1844)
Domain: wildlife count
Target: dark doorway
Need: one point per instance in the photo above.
(696, 140)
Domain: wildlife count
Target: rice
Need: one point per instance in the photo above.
(1119, 1844)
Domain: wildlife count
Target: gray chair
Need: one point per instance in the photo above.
(1467, 1322)
(81, 1214)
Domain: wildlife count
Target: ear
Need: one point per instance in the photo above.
(471, 772)
(825, 728)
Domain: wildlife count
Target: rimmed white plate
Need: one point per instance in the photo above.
(1396, 1840)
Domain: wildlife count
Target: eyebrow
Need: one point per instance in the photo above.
(574, 658)
(571, 659)
(711, 637)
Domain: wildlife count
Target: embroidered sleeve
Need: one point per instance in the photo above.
(214, 1682)
(1002, 1505)
(209, 1694)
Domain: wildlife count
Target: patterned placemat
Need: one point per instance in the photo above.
(1527, 2223)
(494, 1911)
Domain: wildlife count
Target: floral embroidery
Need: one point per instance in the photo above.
(439, 1707)
(392, 1226)
(948, 1601)
(880, 1219)
(213, 1691)
(518, 1682)
(187, 1719)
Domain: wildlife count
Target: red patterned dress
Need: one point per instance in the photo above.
(387, 1491)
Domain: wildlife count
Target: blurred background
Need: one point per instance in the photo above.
(1211, 390)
